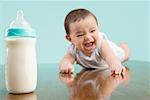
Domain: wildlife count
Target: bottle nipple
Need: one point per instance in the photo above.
(20, 15)
(19, 22)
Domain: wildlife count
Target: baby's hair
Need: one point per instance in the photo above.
(76, 15)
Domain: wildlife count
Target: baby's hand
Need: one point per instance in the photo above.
(66, 68)
(117, 68)
(66, 78)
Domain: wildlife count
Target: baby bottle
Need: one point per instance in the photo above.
(21, 66)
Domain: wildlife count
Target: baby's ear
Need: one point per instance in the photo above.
(68, 38)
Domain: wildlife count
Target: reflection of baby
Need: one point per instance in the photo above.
(93, 84)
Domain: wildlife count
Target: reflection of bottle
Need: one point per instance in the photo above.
(21, 66)
(29, 96)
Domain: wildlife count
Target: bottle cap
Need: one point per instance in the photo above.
(20, 27)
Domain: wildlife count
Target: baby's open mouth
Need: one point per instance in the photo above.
(88, 45)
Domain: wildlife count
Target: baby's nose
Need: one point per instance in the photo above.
(87, 37)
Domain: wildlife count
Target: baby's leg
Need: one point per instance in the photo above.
(125, 47)
(122, 51)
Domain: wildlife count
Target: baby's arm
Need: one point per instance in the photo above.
(66, 64)
(110, 58)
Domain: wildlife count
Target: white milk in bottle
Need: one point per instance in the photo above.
(21, 66)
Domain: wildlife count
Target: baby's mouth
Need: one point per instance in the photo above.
(88, 45)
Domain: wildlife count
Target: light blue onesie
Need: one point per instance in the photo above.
(95, 60)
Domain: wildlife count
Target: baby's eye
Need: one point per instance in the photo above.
(92, 31)
(80, 35)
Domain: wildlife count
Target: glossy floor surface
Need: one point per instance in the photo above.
(86, 84)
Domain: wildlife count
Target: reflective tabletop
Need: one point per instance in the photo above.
(86, 84)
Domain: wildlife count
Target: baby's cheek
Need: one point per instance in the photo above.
(79, 46)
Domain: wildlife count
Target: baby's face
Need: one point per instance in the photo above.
(84, 34)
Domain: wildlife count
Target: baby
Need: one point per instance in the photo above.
(89, 47)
